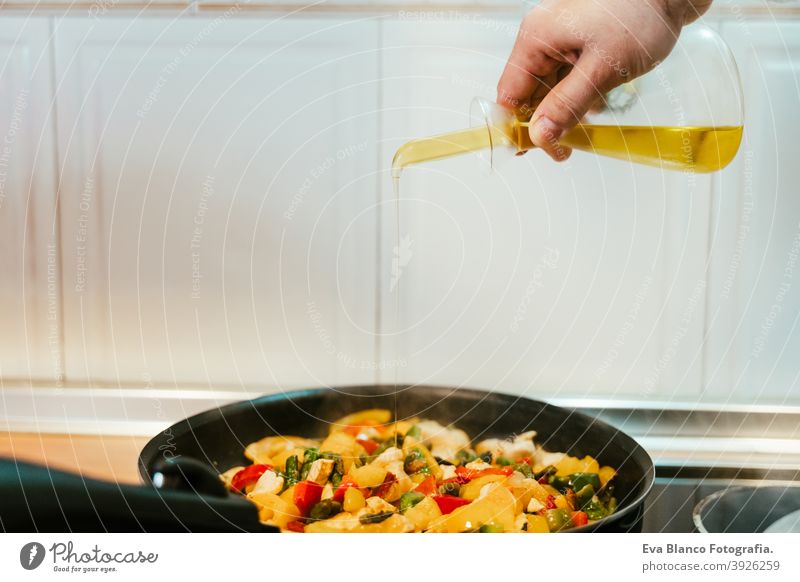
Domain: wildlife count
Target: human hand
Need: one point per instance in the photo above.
(569, 53)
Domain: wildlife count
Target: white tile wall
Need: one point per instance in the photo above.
(30, 306)
(754, 292)
(228, 166)
(592, 278)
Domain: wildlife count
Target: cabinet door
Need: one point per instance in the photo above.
(754, 298)
(30, 291)
(218, 190)
(580, 279)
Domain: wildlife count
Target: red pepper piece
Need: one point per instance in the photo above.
(383, 489)
(306, 495)
(580, 518)
(466, 475)
(449, 503)
(427, 486)
(248, 476)
(354, 429)
(346, 483)
(296, 526)
(369, 445)
(551, 502)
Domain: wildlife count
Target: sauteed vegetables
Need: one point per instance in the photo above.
(374, 475)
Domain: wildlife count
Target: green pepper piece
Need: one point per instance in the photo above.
(450, 488)
(579, 480)
(465, 456)
(548, 471)
(414, 432)
(336, 480)
(410, 499)
(375, 517)
(525, 469)
(292, 472)
(558, 519)
(325, 509)
(595, 510)
(560, 482)
(491, 528)
(503, 462)
(584, 495)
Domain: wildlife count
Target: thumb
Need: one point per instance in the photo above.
(567, 103)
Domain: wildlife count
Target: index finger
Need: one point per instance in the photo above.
(537, 53)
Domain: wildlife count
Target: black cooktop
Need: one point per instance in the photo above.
(677, 490)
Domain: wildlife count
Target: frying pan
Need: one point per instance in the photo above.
(180, 466)
(217, 438)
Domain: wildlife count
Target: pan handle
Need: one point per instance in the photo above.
(36, 498)
(186, 474)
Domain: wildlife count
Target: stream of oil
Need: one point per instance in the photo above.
(396, 275)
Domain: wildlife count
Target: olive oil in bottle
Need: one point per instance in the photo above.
(699, 149)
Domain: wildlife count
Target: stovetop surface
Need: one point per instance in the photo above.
(669, 506)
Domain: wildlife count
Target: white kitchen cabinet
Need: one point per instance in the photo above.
(582, 279)
(218, 199)
(30, 293)
(754, 286)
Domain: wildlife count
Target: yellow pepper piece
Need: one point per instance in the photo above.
(376, 415)
(496, 507)
(279, 461)
(537, 524)
(370, 475)
(569, 465)
(606, 474)
(472, 489)
(423, 513)
(272, 509)
(343, 445)
(353, 500)
(263, 451)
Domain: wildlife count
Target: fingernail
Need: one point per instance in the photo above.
(544, 131)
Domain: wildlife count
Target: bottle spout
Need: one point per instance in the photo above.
(494, 130)
(440, 147)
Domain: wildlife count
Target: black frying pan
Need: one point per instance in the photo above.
(218, 437)
(181, 465)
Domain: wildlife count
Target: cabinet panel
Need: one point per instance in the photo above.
(754, 299)
(30, 292)
(581, 279)
(219, 184)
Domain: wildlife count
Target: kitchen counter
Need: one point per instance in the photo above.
(112, 458)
